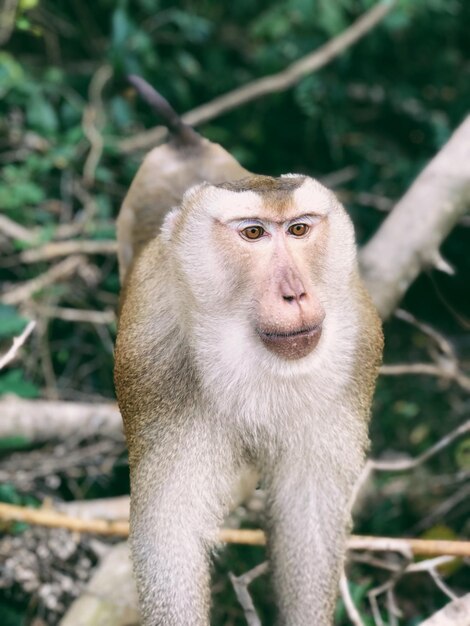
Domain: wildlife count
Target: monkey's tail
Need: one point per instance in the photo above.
(170, 118)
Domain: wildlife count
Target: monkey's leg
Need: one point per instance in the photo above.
(179, 493)
(307, 522)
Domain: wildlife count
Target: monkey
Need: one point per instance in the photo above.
(247, 345)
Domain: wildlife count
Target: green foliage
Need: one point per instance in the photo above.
(11, 323)
(358, 594)
(14, 381)
(17, 189)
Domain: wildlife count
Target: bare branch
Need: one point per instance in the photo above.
(409, 238)
(446, 364)
(92, 122)
(17, 343)
(7, 21)
(424, 547)
(349, 605)
(65, 248)
(444, 507)
(427, 369)
(441, 584)
(76, 315)
(110, 598)
(14, 230)
(444, 345)
(53, 519)
(42, 420)
(240, 586)
(58, 272)
(407, 464)
(115, 508)
(456, 613)
(269, 84)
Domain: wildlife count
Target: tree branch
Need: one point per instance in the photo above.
(14, 230)
(349, 605)
(25, 290)
(456, 613)
(113, 528)
(17, 343)
(43, 420)
(240, 586)
(409, 238)
(110, 598)
(65, 248)
(268, 84)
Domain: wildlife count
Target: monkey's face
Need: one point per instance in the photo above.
(259, 250)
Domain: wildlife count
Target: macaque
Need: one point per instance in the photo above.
(247, 346)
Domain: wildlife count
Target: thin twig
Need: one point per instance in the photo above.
(443, 343)
(407, 464)
(427, 369)
(240, 586)
(349, 605)
(7, 23)
(93, 121)
(76, 315)
(16, 345)
(412, 546)
(444, 507)
(65, 248)
(51, 391)
(14, 230)
(392, 608)
(26, 290)
(429, 566)
(269, 84)
(441, 584)
(53, 519)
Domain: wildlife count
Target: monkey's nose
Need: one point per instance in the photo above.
(293, 291)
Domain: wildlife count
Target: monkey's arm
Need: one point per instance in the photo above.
(308, 519)
(178, 498)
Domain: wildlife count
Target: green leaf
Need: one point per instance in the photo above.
(27, 5)
(8, 493)
(13, 382)
(11, 72)
(121, 27)
(462, 454)
(11, 616)
(12, 443)
(41, 115)
(11, 322)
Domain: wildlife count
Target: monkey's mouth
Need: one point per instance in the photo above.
(293, 344)
(275, 336)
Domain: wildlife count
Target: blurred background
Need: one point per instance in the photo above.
(366, 124)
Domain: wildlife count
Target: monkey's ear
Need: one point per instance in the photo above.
(169, 223)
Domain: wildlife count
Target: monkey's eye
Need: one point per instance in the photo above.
(252, 232)
(298, 230)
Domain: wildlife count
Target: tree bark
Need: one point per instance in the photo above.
(42, 420)
(456, 613)
(408, 240)
(110, 598)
